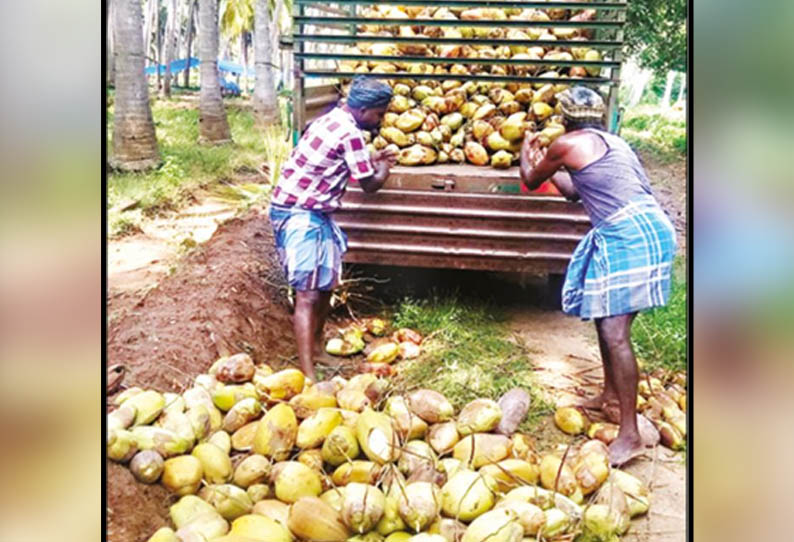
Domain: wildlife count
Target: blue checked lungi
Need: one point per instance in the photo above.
(622, 265)
(310, 247)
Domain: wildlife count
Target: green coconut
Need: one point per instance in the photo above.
(340, 446)
(229, 500)
(479, 416)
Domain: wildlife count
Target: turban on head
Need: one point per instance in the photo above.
(369, 93)
(581, 105)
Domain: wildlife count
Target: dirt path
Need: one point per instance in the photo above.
(566, 352)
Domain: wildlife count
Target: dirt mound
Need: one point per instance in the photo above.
(221, 300)
(135, 511)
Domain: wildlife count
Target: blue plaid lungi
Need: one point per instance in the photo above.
(622, 265)
(309, 245)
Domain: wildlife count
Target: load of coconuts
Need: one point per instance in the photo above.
(476, 122)
(257, 455)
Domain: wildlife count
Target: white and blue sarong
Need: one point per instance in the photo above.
(623, 265)
(310, 247)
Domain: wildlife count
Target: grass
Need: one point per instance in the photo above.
(469, 354)
(651, 129)
(659, 335)
(186, 164)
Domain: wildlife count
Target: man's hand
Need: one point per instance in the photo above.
(387, 156)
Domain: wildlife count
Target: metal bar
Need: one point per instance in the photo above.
(299, 112)
(439, 60)
(352, 225)
(436, 250)
(457, 22)
(615, 76)
(465, 213)
(461, 77)
(456, 41)
(478, 3)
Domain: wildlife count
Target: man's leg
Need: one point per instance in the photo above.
(607, 400)
(307, 311)
(323, 308)
(608, 395)
(615, 331)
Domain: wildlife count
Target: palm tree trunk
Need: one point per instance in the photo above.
(170, 44)
(134, 141)
(213, 126)
(147, 27)
(158, 43)
(190, 18)
(265, 104)
(111, 73)
(244, 54)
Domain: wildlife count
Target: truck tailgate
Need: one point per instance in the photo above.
(469, 221)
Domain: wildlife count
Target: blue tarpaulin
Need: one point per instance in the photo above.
(180, 65)
(236, 69)
(176, 66)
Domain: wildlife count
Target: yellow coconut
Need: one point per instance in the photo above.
(365, 472)
(215, 463)
(531, 517)
(312, 520)
(307, 403)
(481, 449)
(478, 416)
(253, 469)
(570, 420)
(282, 385)
(353, 399)
(241, 413)
(377, 438)
(222, 440)
(443, 436)
(226, 396)
(340, 446)
(510, 473)
(229, 500)
(182, 474)
(276, 433)
(259, 527)
(430, 405)
(296, 480)
(243, 439)
(559, 479)
(313, 430)
(500, 525)
(385, 353)
(273, 509)
(467, 495)
(557, 522)
(164, 534)
(121, 445)
(147, 404)
(165, 442)
(257, 492)
(363, 507)
(419, 505)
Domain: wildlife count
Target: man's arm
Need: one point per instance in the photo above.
(562, 180)
(538, 165)
(382, 162)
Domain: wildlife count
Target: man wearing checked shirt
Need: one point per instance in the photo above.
(309, 244)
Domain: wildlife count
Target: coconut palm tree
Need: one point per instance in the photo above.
(171, 31)
(213, 126)
(134, 141)
(265, 103)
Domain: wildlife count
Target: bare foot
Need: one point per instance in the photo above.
(611, 411)
(648, 433)
(625, 448)
(598, 402)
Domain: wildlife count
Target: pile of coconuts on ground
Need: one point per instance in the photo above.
(661, 400)
(476, 122)
(257, 455)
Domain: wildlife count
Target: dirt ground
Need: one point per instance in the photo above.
(201, 283)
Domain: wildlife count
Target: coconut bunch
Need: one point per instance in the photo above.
(258, 455)
(370, 338)
(476, 122)
(661, 400)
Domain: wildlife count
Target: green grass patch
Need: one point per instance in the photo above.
(659, 335)
(188, 165)
(651, 130)
(469, 353)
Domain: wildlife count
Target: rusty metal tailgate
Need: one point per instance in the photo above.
(468, 222)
